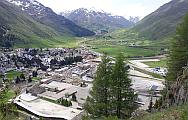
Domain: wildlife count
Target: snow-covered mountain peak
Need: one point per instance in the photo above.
(96, 20)
(88, 12)
(23, 3)
(96, 10)
(32, 7)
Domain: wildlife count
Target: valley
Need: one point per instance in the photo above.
(90, 64)
(63, 71)
(127, 42)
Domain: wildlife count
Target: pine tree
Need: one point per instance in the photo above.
(29, 79)
(179, 51)
(122, 94)
(17, 80)
(22, 76)
(98, 104)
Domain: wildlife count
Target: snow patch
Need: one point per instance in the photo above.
(36, 3)
(27, 5)
(18, 3)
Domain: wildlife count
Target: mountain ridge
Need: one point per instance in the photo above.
(96, 20)
(46, 16)
(162, 23)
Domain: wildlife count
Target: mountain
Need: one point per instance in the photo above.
(163, 22)
(134, 19)
(97, 20)
(46, 16)
(19, 23)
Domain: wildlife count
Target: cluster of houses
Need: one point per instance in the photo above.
(42, 59)
(6, 63)
(65, 77)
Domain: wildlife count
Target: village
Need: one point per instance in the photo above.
(55, 83)
(58, 78)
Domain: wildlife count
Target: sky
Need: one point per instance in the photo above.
(124, 8)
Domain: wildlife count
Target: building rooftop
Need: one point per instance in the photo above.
(62, 90)
(58, 85)
(46, 109)
(56, 96)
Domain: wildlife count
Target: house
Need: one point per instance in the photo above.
(46, 109)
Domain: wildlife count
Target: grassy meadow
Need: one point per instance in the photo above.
(161, 63)
(56, 42)
(10, 75)
(125, 41)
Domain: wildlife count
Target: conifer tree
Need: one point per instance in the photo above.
(122, 94)
(179, 51)
(98, 104)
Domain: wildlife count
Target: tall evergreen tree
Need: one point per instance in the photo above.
(98, 104)
(30, 79)
(179, 51)
(122, 94)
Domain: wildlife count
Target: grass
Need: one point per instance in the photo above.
(12, 74)
(125, 41)
(149, 73)
(174, 113)
(56, 42)
(36, 79)
(67, 42)
(4, 98)
(154, 64)
(7, 96)
(127, 51)
(12, 117)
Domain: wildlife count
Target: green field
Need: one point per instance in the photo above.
(161, 63)
(125, 41)
(36, 79)
(57, 42)
(8, 95)
(127, 51)
(5, 96)
(10, 75)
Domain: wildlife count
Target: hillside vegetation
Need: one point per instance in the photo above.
(126, 41)
(48, 17)
(174, 113)
(162, 23)
(29, 31)
(174, 96)
(22, 25)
